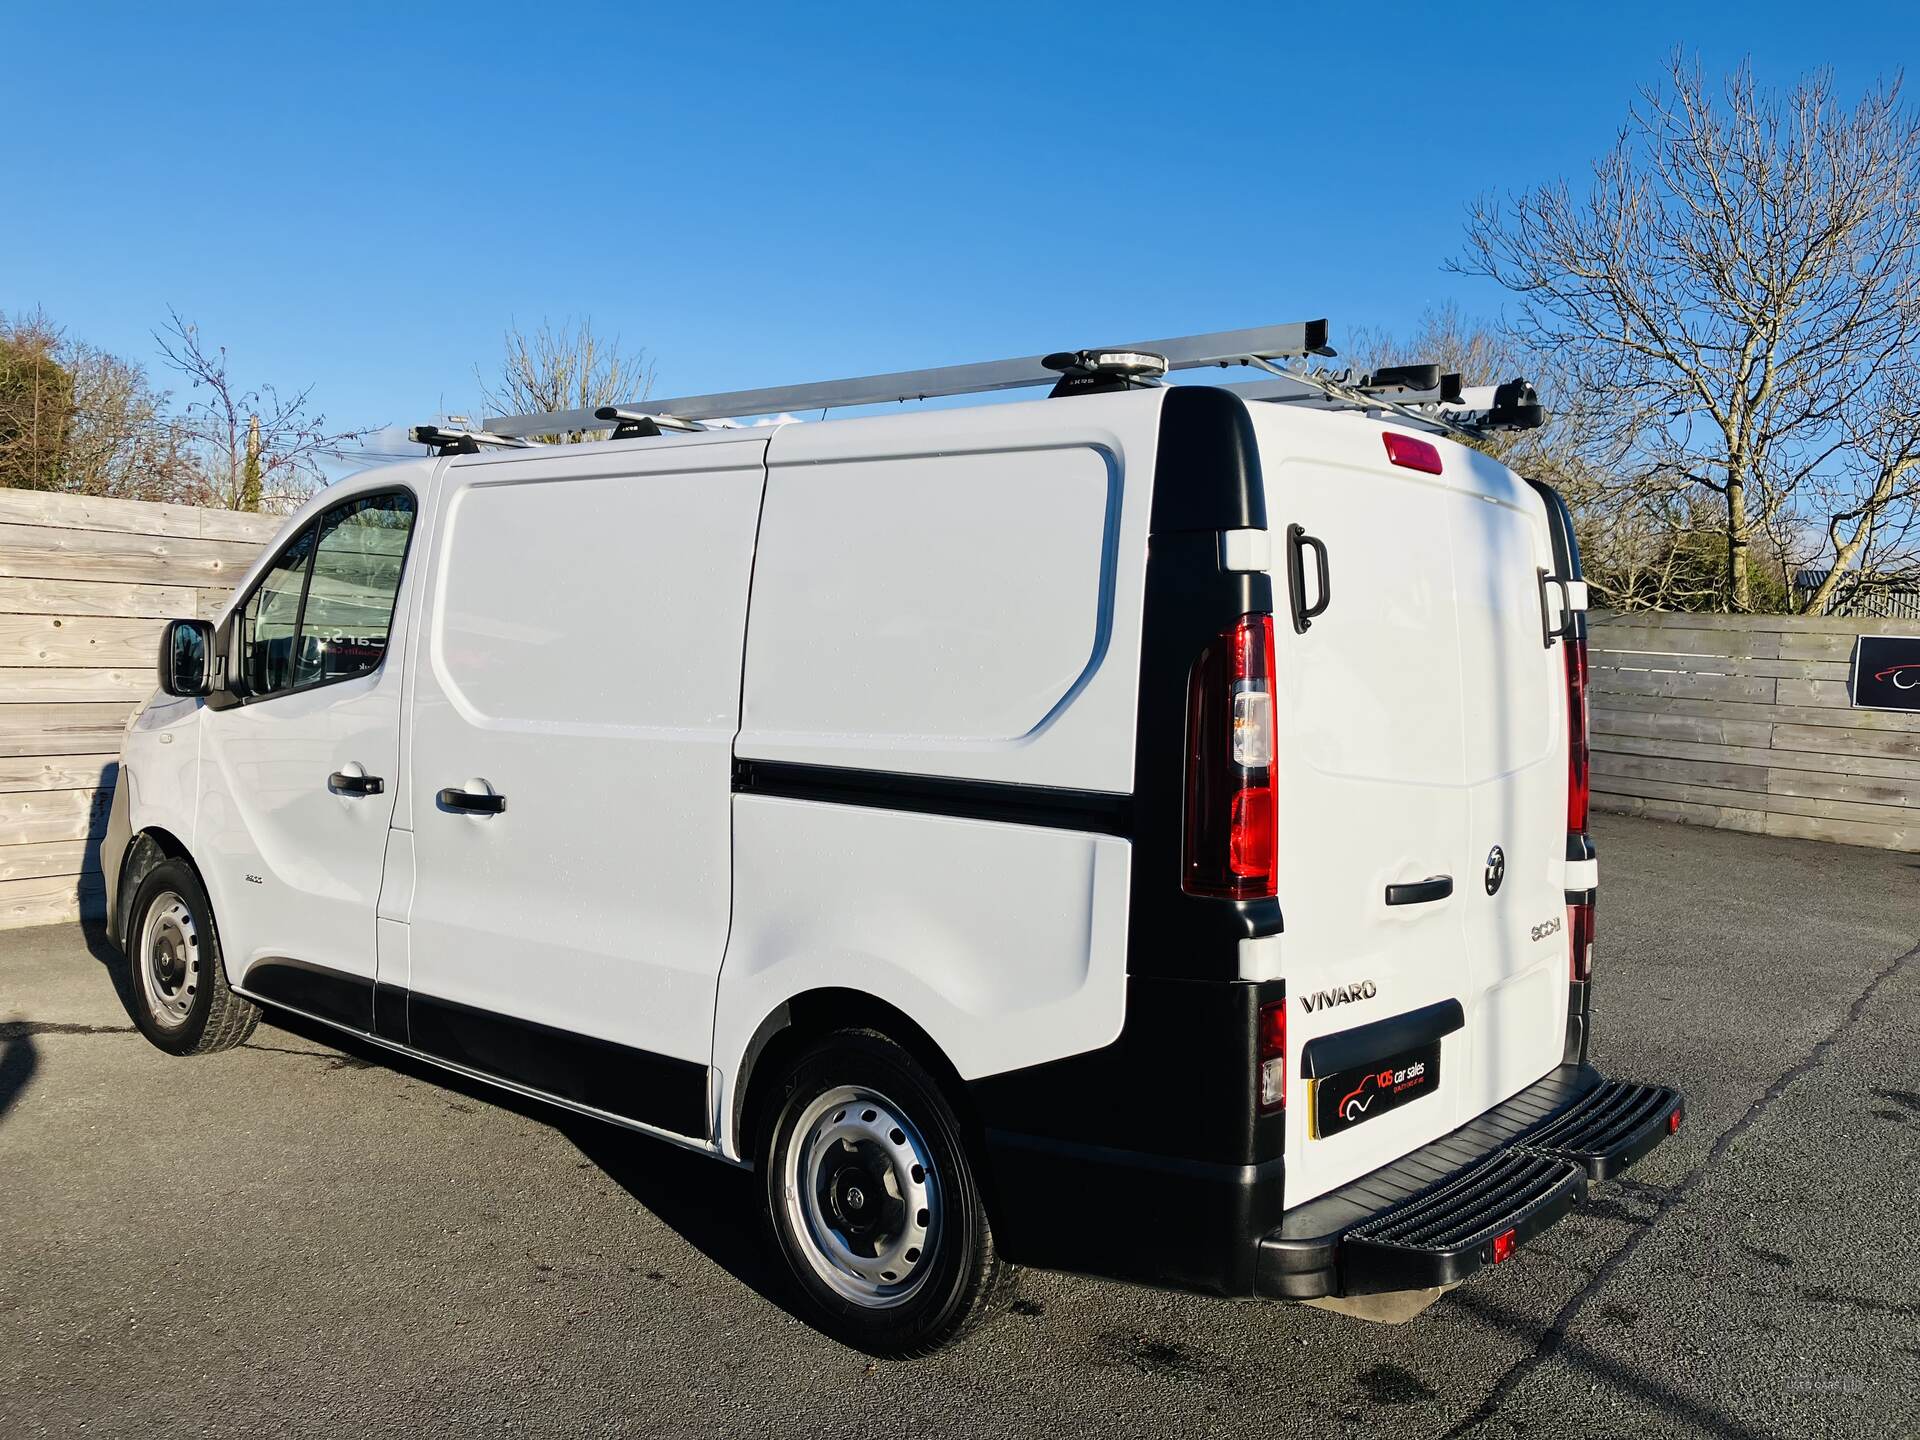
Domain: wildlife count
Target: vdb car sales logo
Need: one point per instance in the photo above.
(1886, 673)
(1354, 1103)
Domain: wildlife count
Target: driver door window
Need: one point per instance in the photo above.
(323, 612)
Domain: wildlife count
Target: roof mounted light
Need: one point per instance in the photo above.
(1093, 372)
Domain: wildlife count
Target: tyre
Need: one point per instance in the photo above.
(178, 988)
(873, 1202)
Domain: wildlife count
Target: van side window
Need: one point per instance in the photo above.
(324, 609)
(267, 623)
(356, 575)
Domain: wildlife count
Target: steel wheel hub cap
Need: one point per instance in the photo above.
(169, 960)
(862, 1197)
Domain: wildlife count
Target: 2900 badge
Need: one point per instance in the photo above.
(1346, 1099)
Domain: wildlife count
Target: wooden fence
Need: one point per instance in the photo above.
(85, 586)
(1736, 721)
(1744, 722)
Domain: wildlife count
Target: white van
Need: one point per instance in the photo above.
(1139, 830)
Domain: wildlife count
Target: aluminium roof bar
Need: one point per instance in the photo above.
(1186, 352)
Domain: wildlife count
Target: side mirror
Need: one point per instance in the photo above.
(186, 657)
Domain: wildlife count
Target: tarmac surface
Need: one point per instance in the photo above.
(297, 1237)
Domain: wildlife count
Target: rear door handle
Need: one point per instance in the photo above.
(1419, 892)
(472, 802)
(355, 782)
(1298, 542)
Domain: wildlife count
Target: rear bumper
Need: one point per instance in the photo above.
(1431, 1217)
(1439, 1213)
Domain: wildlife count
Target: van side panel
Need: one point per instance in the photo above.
(1005, 943)
(956, 598)
(954, 595)
(581, 658)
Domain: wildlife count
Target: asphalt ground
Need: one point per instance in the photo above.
(299, 1238)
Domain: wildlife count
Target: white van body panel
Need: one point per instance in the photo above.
(955, 593)
(581, 656)
(1007, 944)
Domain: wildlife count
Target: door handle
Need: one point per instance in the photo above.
(355, 782)
(1298, 541)
(472, 802)
(1420, 892)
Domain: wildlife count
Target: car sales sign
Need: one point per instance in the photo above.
(1886, 673)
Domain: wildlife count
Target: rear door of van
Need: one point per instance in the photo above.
(1414, 733)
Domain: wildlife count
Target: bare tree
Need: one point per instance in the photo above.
(1735, 301)
(253, 448)
(568, 368)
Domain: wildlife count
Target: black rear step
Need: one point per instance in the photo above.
(1610, 1128)
(1448, 1233)
(1432, 1217)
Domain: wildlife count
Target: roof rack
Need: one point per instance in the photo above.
(448, 440)
(1113, 366)
(1419, 394)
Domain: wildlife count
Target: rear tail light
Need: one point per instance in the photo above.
(1231, 814)
(1579, 775)
(1503, 1246)
(1273, 1056)
(1580, 938)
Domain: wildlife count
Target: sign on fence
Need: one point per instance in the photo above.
(1886, 673)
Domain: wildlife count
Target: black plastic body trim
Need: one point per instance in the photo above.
(1362, 1045)
(1421, 892)
(1060, 809)
(390, 1012)
(639, 1085)
(317, 989)
(1164, 1122)
(656, 1090)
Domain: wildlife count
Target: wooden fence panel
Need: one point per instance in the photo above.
(1745, 722)
(85, 588)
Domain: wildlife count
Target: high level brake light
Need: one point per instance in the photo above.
(1231, 814)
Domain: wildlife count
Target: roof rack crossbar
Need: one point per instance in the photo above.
(1187, 352)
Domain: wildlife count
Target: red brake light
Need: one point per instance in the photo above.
(1412, 452)
(1231, 814)
(1273, 1056)
(1580, 940)
(1579, 760)
(1502, 1246)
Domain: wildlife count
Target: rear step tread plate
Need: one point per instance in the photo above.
(1431, 1216)
(1609, 1128)
(1448, 1233)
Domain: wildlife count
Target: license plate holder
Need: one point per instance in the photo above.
(1352, 1097)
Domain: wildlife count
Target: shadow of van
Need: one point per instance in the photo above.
(712, 1206)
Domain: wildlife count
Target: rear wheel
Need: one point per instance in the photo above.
(178, 991)
(873, 1202)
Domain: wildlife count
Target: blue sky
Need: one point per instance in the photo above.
(362, 198)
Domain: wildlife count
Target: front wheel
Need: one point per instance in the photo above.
(178, 992)
(873, 1202)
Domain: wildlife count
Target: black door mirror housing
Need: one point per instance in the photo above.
(186, 658)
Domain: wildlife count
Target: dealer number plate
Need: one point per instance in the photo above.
(1351, 1097)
